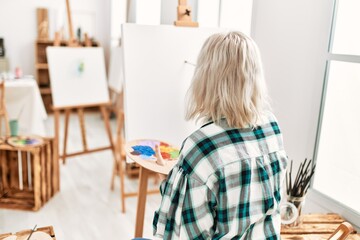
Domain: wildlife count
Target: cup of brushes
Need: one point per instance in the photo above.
(296, 191)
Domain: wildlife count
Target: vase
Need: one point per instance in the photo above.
(298, 203)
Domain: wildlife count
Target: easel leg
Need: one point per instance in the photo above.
(7, 124)
(66, 128)
(82, 127)
(140, 212)
(57, 129)
(117, 158)
(105, 116)
(122, 184)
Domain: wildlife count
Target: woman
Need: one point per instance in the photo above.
(227, 183)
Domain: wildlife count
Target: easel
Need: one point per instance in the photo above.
(118, 168)
(184, 15)
(72, 40)
(3, 112)
(80, 112)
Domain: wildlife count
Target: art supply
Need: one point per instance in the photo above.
(155, 93)
(32, 231)
(159, 158)
(77, 76)
(23, 141)
(14, 127)
(302, 180)
(147, 150)
(18, 73)
(2, 48)
(190, 63)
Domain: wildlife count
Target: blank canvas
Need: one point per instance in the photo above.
(157, 79)
(116, 73)
(77, 76)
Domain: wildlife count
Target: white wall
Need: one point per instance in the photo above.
(293, 39)
(18, 26)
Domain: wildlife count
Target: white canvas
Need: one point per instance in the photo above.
(71, 87)
(116, 73)
(157, 79)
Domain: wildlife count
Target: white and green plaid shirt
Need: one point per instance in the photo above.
(226, 185)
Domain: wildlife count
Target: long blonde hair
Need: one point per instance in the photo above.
(228, 82)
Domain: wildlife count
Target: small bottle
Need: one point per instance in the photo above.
(18, 73)
(2, 48)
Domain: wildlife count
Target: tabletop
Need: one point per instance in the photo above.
(24, 102)
(315, 226)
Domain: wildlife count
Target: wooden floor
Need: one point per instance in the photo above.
(85, 208)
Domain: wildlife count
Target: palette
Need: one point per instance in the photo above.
(22, 141)
(145, 149)
(144, 153)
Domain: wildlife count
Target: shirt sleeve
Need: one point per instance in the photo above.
(186, 210)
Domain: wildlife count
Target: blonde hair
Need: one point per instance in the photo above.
(228, 82)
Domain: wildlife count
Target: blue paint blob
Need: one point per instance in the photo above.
(144, 150)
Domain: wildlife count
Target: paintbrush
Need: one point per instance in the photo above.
(33, 230)
(302, 180)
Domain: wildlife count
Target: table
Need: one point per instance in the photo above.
(49, 230)
(315, 226)
(146, 168)
(23, 97)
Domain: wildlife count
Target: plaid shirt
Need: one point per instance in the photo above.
(226, 185)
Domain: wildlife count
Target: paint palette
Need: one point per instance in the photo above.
(24, 141)
(145, 149)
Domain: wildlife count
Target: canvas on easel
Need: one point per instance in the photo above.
(158, 65)
(78, 81)
(77, 76)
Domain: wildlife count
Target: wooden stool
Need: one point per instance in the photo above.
(29, 176)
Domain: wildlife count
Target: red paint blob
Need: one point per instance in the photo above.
(164, 144)
(165, 155)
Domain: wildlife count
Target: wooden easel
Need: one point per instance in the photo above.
(72, 40)
(118, 168)
(80, 110)
(184, 15)
(3, 112)
(80, 113)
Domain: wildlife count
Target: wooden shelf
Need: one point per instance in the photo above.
(41, 66)
(51, 42)
(45, 90)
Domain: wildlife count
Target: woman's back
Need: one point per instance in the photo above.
(226, 185)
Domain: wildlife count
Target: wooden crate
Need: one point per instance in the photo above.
(316, 226)
(49, 230)
(39, 178)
